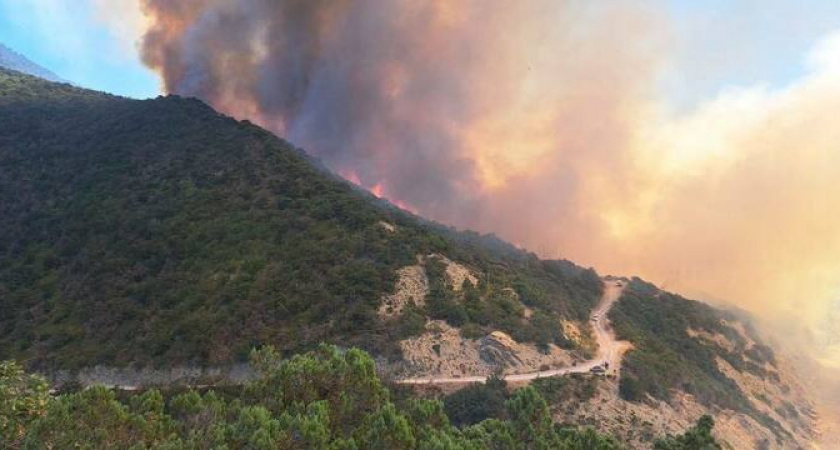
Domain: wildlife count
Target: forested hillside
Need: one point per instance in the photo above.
(327, 399)
(162, 232)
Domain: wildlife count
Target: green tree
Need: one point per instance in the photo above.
(493, 434)
(201, 420)
(698, 437)
(477, 402)
(346, 380)
(531, 421)
(94, 419)
(327, 399)
(387, 429)
(588, 439)
(23, 399)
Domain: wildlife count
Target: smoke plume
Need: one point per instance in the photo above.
(449, 106)
(541, 121)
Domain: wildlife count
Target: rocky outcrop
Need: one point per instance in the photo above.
(389, 227)
(778, 396)
(712, 338)
(442, 352)
(499, 350)
(413, 283)
(638, 424)
(412, 287)
(457, 274)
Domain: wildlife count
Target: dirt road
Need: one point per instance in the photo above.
(609, 349)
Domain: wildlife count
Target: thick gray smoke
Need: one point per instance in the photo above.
(436, 103)
(541, 120)
(370, 87)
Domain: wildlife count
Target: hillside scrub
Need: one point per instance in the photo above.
(666, 358)
(159, 232)
(325, 399)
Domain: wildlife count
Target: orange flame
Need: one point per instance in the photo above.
(378, 190)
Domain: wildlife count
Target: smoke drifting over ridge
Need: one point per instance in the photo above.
(540, 120)
(436, 101)
(450, 106)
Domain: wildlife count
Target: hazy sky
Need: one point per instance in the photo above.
(80, 42)
(721, 42)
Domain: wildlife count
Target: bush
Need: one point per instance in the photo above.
(476, 403)
(23, 399)
(145, 223)
(698, 437)
(325, 399)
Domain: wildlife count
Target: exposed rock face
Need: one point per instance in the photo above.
(457, 274)
(638, 424)
(442, 352)
(412, 286)
(413, 283)
(712, 338)
(783, 400)
(389, 227)
(572, 331)
(499, 350)
(779, 396)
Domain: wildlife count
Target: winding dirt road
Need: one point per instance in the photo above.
(609, 349)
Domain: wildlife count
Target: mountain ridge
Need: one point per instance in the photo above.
(159, 232)
(205, 179)
(13, 60)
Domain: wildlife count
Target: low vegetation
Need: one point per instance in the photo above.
(326, 399)
(667, 359)
(160, 232)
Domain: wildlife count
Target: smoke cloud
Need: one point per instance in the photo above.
(448, 106)
(541, 121)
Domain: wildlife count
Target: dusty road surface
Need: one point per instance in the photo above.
(609, 349)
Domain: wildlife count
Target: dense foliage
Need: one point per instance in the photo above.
(697, 437)
(327, 399)
(667, 358)
(162, 232)
(481, 401)
(477, 402)
(23, 398)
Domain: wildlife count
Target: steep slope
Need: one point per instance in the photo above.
(162, 232)
(12, 60)
(690, 359)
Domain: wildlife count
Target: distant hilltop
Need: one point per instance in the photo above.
(13, 60)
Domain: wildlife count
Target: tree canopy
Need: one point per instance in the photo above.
(160, 232)
(325, 399)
